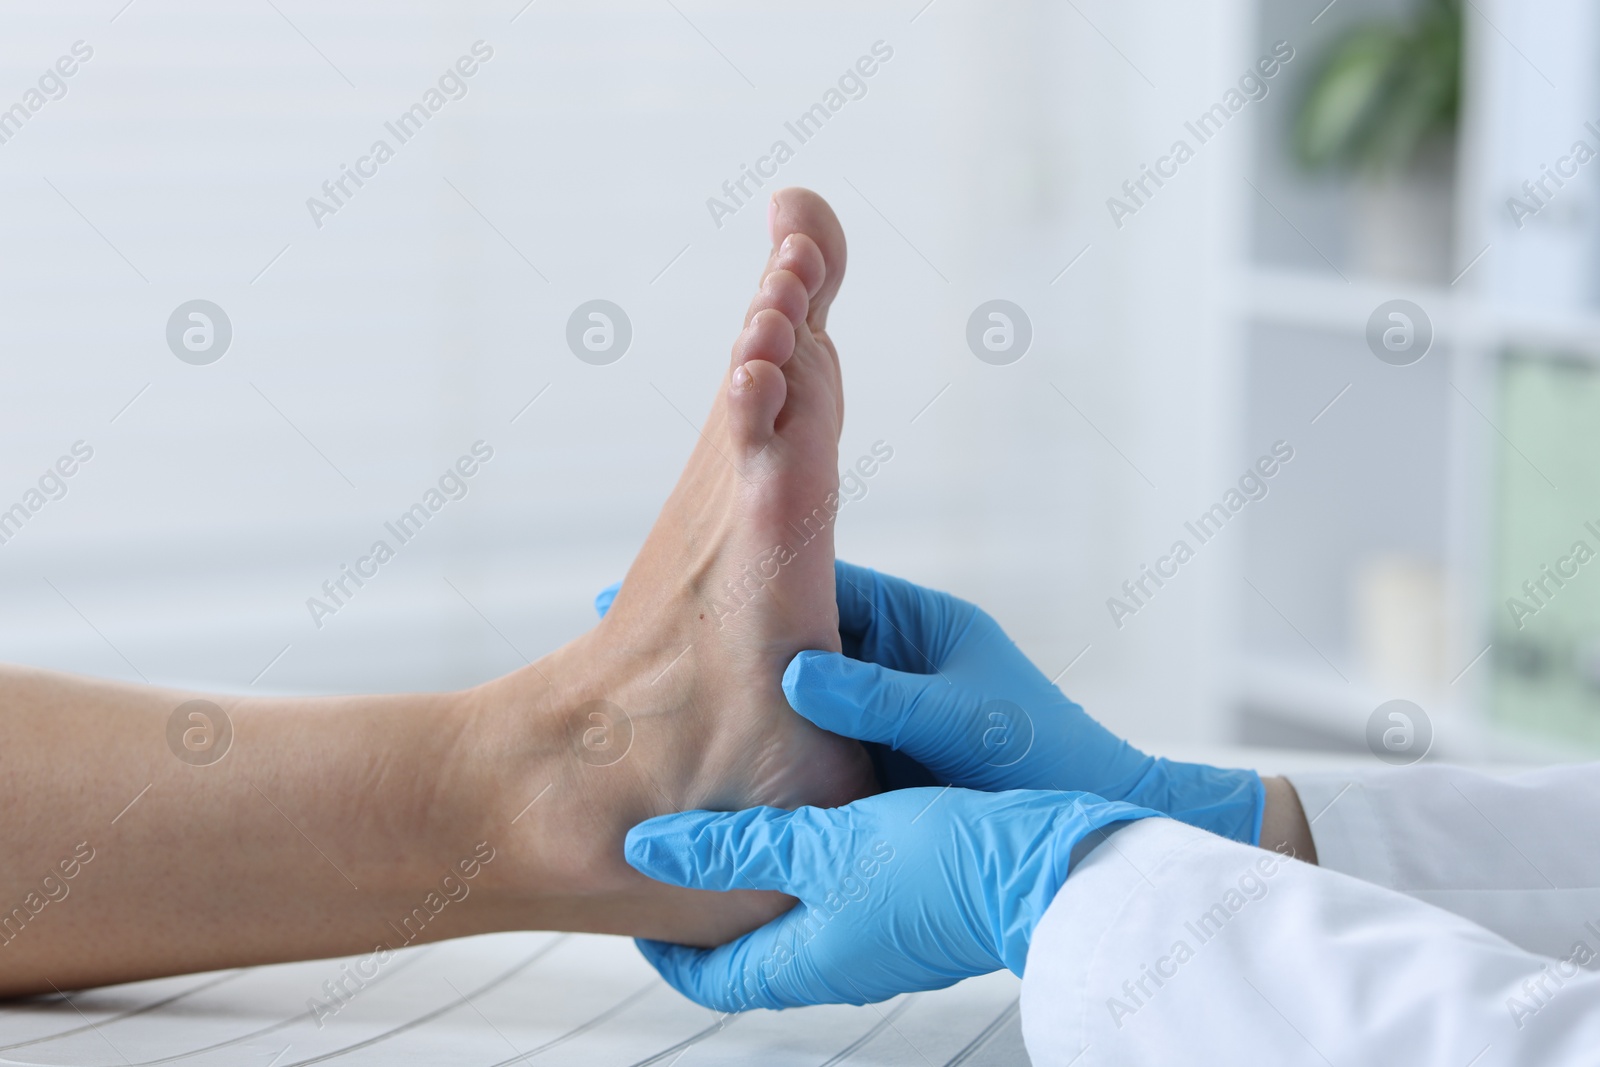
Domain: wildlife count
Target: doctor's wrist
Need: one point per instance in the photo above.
(1284, 827)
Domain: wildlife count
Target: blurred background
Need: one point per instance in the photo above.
(1172, 316)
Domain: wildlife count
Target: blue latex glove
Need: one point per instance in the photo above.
(937, 683)
(909, 890)
(603, 599)
(936, 679)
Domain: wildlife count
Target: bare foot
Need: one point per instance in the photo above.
(739, 566)
(674, 700)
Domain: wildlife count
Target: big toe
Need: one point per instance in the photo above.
(800, 211)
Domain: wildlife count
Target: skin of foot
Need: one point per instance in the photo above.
(680, 684)
(355, 826)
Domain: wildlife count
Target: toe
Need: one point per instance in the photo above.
(796, 210)
(783, 291)
(800, 256)
(756, 391)
(769, 337)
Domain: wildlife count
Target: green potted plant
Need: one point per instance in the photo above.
(1382, 108)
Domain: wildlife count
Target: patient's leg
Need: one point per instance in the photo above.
(337, 826)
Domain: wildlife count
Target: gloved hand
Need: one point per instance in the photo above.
(908, 890)
(934, 678)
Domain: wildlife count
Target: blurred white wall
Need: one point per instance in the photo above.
(428, 311)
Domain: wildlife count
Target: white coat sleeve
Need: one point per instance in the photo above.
(1174, 946)
(1517, 855)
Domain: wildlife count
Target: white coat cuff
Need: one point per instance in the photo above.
(1349, 836)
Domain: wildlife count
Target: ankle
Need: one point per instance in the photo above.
(569, 758)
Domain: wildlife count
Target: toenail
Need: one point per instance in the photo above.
(788, 243)
(741, 378)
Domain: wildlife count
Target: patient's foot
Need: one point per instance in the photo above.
(734, 579)
(737, 574)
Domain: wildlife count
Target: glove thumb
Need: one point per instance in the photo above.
(951, 731)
